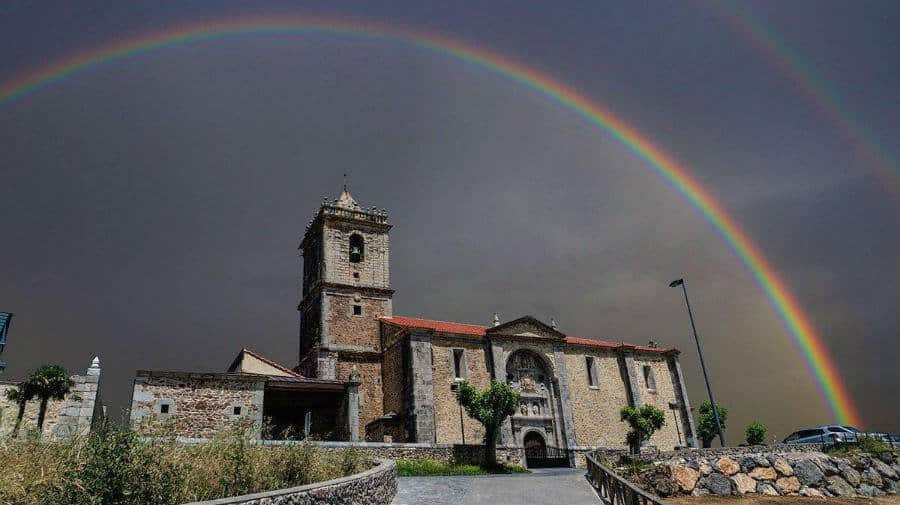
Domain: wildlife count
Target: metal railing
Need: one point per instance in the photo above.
(614, 489)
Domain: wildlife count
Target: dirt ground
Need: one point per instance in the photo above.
(784, 500)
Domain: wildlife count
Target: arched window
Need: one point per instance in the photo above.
(357, 248)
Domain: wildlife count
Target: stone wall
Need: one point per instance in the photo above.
(795, 473)
(371, 396)
(346, 329)
(667, 437)
(195, 404)
(451, 421)
(376, 486)
(74, 415)
(373, 270)
(596, 409)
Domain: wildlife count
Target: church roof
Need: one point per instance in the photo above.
(480, 331)
(441, 326)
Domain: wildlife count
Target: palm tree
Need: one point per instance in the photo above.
(46, 383)
(20, 395)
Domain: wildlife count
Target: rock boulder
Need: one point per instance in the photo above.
(743, 483)
(727, 466)
(840, 487)
(788, 484)
(808, 473)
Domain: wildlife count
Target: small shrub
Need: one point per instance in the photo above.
(644, 421)
(706, 424)
(755, 433)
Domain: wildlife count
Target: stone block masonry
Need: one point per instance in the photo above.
(784, 473)
(75, 415)
(376, 486)
(196, 404)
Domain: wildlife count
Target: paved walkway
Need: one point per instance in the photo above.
(553, 485)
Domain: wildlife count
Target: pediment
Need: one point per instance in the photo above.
(526, 327)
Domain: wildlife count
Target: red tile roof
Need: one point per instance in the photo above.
(441, 326)
(479, 331)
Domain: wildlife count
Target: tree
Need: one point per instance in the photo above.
(46, 383)
(644, 421)
(756, 433)
(706, 428)
(20, 395)
(489, 407)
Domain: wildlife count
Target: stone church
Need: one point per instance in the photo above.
(366, 374)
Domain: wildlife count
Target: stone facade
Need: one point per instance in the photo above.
(194, 404)
(399, 374)
(75, 415)
(452, 424)
(376, 486)
(596, 407)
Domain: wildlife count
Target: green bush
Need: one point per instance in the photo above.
(644, 421)
(755, 433)
(706, 425)
(116, 467)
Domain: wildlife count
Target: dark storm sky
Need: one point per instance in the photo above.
(151, 207)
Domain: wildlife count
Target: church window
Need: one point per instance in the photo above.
(357, 248)
(649, 378)
(459, 364)
(357, 310)
(591, 368)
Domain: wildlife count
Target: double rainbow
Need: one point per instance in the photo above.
(677, 176)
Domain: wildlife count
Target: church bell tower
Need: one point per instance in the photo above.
(346, 287)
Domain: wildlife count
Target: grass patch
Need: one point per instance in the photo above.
(116, 467)
(866, 444)
(432, 468)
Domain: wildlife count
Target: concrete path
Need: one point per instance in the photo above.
(553, 485)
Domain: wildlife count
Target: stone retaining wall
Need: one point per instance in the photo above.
(446, 453)
(376, 486)
(788, 472)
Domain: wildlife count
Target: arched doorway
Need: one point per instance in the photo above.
(538, 455)
(535, 449)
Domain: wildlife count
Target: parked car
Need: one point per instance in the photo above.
(822, 435)
(878, 435)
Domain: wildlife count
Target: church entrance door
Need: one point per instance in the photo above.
(538, 455)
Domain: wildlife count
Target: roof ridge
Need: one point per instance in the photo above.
(434, 320)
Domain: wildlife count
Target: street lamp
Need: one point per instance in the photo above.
(712, 402)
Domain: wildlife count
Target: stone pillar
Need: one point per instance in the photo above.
(420, 407)
(326, 363)
(629, 375)
(498, 373)
(565, 400)
(82, 406)
(353, 404)
(690, 433)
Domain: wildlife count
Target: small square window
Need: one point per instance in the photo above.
(164, 408)
(356, 275)
(236, 411)
(357, 310)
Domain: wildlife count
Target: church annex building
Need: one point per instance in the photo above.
(365, 374)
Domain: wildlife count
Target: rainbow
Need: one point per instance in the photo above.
(822, 94)
(796, 322)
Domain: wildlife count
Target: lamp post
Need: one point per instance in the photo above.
(712, 402)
